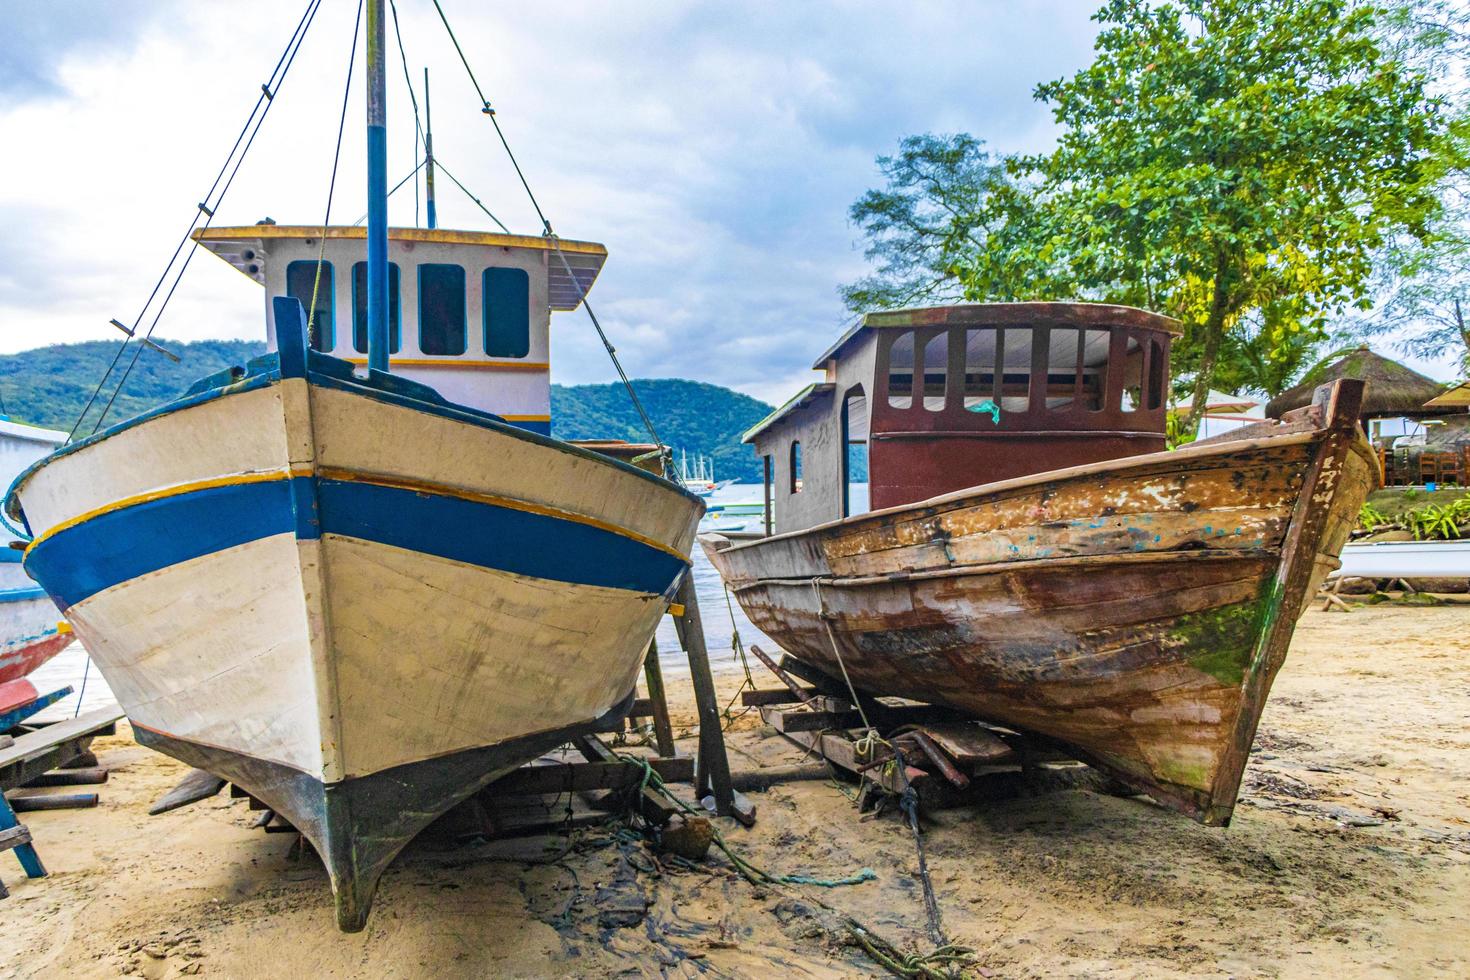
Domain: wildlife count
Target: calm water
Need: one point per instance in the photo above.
(70, 665)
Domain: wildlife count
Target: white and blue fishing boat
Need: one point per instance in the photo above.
(31, 629)
(357, 576)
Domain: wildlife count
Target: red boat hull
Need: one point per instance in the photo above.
(21, 661)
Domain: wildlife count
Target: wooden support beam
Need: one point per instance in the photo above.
(653, 678)
(54, 801)
(582, 776)
(757, 699)
(796, 689)
(712, 768)
(775, 775)
(70, 777)
(197, 785)
(799, 720)
(652, 805)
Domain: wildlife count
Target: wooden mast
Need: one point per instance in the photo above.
(377, 161)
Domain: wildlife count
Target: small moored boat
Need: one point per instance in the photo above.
(1036, 558)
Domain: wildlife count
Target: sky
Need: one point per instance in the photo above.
(713, 148)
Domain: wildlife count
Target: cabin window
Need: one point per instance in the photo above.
(1063, 367)
(855, 453)
(979, 365)
(507, 302)
(1133, 371)
(936, 360)
(1094, 368)
(302, 282)
(1015, 390)
(796, 467)
(441, 309)
(901, 371)
(1156, 374)
(360, 304)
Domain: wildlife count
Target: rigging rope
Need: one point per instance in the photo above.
(321, 254)
(262, 105)
(555, 244)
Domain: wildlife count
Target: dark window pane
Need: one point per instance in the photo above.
(441, 309)
(301, 280)
(359, 308)
(796, 467)
(507, 295)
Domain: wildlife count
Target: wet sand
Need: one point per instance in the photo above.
(1350, 853)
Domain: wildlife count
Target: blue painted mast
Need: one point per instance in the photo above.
(377, 161)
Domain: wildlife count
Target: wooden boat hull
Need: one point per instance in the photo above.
(361, 607)
(1135, 610)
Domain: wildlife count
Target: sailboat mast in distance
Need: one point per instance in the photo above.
(377, 162)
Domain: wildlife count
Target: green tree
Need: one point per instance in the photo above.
(1220, 160)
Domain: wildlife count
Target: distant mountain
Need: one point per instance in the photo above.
(48, 386)
(690, 415)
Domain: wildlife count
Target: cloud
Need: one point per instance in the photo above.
(713, 148)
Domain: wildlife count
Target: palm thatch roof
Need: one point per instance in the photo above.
(1393, 390)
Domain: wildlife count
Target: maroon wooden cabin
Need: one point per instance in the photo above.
(948, 398)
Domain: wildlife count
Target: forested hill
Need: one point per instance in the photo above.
(48, 386)
(689, 415)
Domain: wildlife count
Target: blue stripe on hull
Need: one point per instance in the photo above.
(121, 545)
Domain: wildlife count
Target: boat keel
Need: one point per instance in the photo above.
(359, 825)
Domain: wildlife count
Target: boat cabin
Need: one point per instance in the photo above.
(469, 313)
(941, 399)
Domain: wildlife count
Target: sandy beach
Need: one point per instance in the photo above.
(1350, 853)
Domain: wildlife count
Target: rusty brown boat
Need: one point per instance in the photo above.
(1036, 558)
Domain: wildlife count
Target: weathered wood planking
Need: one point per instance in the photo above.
(1134, 610)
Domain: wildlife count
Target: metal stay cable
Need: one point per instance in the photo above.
(612, 352)
(266, 96)
(440, 164)
(321, 255)
(289, 59)
(405, 180)
(487, 110)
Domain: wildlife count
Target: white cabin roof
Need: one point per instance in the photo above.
(585, 258)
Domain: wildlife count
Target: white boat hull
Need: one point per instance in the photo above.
(304, 583)
(1405, 559)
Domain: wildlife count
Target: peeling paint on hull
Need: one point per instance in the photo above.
(1136, 610)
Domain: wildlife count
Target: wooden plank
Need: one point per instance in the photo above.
(36, 742)
(582, 776)
(757, 699)
(936, 755)
(14, 837)
(197, 785)
(969, 744)
(799, 720)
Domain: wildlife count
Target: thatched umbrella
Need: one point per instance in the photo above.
(1393, 390)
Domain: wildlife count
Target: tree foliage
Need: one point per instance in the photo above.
(1237, 164)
